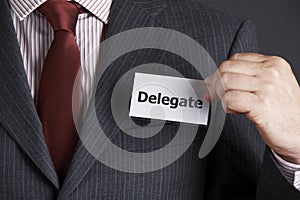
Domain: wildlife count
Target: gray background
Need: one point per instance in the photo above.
(277, 24)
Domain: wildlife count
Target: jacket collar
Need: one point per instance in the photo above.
(18, 114)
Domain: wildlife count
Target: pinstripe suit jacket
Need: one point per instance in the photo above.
(237, 168)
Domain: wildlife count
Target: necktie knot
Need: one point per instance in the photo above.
(62, 15)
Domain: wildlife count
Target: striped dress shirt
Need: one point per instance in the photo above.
(290, 171)
(35, 35)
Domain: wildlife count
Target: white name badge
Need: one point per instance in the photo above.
(169, 98)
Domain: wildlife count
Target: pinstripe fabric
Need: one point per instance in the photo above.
(236, 169)
(35, 36)
(271, 179)
(24, 149)
(24, 8)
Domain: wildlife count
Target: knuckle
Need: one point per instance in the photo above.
(229, 99)
(266, 64)
(235, 56)
(225, 77)
(266, 101)
(279, 60)
(224, 66)
(268, 88)
(275, 58)
(273, 72)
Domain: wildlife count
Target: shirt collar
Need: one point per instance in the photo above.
(99, 8)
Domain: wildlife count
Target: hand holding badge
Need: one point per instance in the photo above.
(266, 91)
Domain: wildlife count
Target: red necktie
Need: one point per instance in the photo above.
(56, 85)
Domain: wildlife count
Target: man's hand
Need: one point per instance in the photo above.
(265, 89)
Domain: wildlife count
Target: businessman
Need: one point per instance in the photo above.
(42, 46)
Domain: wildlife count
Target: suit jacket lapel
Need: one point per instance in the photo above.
(17, 110)
(124, 15)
